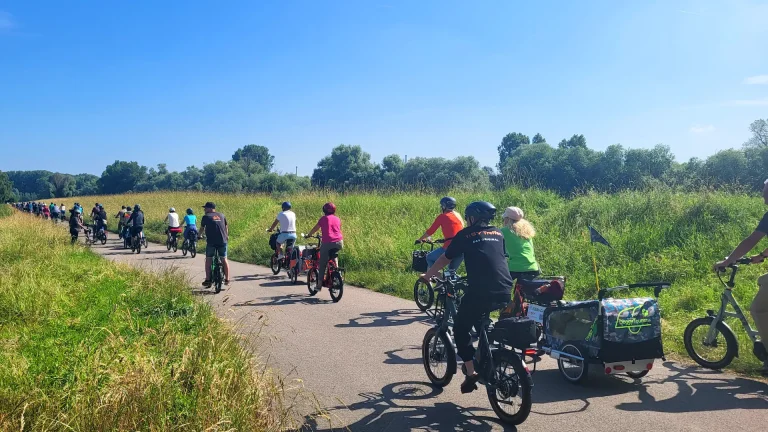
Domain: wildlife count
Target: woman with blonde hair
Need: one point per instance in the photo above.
(518, 241)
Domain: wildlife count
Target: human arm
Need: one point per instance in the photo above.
(436, 267)
(431, 230)
(313, 230)
(274, 224)
(742, 249)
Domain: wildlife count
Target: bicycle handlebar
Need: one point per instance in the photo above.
(658, 287)
(430, 242)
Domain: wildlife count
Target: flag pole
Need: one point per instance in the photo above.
(594, 266)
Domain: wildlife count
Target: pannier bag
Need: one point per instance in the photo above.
(273, 241)
(631, 330)
(543, 290)
(517, 332)
(419, 263)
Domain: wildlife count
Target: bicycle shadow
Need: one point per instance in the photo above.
(290, 299)
(395, 356)
(398, 317)
(388, 412)
(701, 390)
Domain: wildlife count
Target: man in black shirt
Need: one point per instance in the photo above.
(75, 224)
(217, 237)
(136, 221)
(490, 285)
(101, 220)
(759, 308)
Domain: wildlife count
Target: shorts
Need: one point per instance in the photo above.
(282, 237)
(210, 250)
(135, 230)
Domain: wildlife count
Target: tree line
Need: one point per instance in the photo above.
(568, 168)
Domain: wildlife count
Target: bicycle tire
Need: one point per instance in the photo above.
(138, 248)
(174, 246)
(293, 275)
(638, 374)
(448, 355)
(218, 279)
(423, 299)
(583, 365)
(193, 251)
(184, 248)
(168, 244)
(523, 386)
(103, 239)
(732, 345)
(275, 264)
(312, 277)
(337, 286)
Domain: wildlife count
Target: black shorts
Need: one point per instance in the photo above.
(135, 230)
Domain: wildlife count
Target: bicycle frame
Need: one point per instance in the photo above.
(727, 299)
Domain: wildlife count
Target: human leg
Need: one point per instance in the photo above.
(759, 312)
(433, 256)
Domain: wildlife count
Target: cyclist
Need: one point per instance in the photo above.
(190, 225)
(75, 224)
(55, 212)
(287, 221)
(101, 220)
(95, 212)
(217, 235)
(172, 221)
(518, 242)
(46, 211)
(490, 284)
(759, 308)
(136, 222)
(126, 226)
(449, 221)
(63, 210)
(332, 238)
(120, 214)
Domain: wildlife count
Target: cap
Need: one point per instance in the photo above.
(514, 213)
(209, 205)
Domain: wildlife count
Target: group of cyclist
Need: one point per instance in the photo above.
(50, 211)
(329, 226)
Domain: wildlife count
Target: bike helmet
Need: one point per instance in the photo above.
(329, 208)
(76, 210)
(448, 203)
(136, 207)
(286, 205)
(172, 210)
(190, 211)
(481, 211)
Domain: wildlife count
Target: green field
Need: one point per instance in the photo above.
(88, 345)
(656, 235)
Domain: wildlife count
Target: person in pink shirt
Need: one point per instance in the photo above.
(332, 238)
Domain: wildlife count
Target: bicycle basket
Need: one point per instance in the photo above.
(419, 262)
(517, 332)
(309, 253)
(273, 241)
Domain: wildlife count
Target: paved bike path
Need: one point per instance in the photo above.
(362, 359)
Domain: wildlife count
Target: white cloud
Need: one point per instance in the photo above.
(702, 129)
(757, 79)
(748, 102)
(6, 21)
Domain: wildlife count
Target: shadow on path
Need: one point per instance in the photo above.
(389, 410)
(283, 301)
(399, 317)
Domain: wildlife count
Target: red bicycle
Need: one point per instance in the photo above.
(333, 278)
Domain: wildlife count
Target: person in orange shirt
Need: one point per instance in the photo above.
(449, 221)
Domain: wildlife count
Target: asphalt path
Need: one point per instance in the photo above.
(361, 359)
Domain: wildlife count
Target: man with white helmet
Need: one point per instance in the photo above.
(172, 220)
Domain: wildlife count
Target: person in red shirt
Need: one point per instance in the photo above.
(449, 221)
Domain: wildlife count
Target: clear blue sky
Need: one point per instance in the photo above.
(84, 83)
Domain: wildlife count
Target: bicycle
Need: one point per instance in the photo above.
(712, 329)
(88, 237)
(276, 263)
(101, 236)
(171, 241)
(423, 292)
(189, 245)
(217, 273)
(137, 241)
(502, 370)
(333, 278)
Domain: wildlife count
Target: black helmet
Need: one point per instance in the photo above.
(448, 203)
(481, 211)
(136, 207)
(190, 211)
(286, 205)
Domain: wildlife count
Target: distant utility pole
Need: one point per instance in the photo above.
(406, 158)
(297, 170)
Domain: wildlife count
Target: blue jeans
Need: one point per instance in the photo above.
(435, 254)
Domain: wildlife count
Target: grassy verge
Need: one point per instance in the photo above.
(5, 210)
(656, 235)
(88, 345)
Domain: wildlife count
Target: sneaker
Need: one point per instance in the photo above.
(226, 281)
(281, 256)
(470, 384)
(207, 283)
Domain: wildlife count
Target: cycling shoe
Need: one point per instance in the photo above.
(470, 384)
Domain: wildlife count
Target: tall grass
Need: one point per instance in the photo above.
(88, 345)
(656, 235)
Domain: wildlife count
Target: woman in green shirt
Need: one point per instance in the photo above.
(518, 241)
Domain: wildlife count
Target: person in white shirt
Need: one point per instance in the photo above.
(287, 221)
(172, 220)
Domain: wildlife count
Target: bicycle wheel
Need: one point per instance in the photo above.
(510, 397)
(337, 286)
(439, 357)
(145, 242)
(275, 264)
(174, 245)
(637, 375)
(193, 250)
(184, 248)
(103, 239)
(574, 371)
(719, 353)
(312, 276)
(423, 294)
(133, 244)
(293, 274)
(138, 247)
(218, 279)
(168, 244)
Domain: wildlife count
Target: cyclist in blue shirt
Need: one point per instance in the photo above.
(190, 225)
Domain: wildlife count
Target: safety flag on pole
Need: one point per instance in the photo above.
(596, 237)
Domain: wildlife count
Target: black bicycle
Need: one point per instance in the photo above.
(217, 272)
(101, 236)
(423, 291)
(171, 241)
(709, 340)
(189, 246)
(137, 241)
(502, 370)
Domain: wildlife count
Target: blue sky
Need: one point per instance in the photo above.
(85, 83)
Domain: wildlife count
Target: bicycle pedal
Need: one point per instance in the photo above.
(535, 359)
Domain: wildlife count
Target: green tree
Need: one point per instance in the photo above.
(538, 139)
(6, 189)
(121, 177)
(63, 185)
(253, 154)
(347, 165)
(759, 129)
(573, 142)
(509, 145)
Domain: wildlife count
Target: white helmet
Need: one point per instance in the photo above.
(172, 210)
